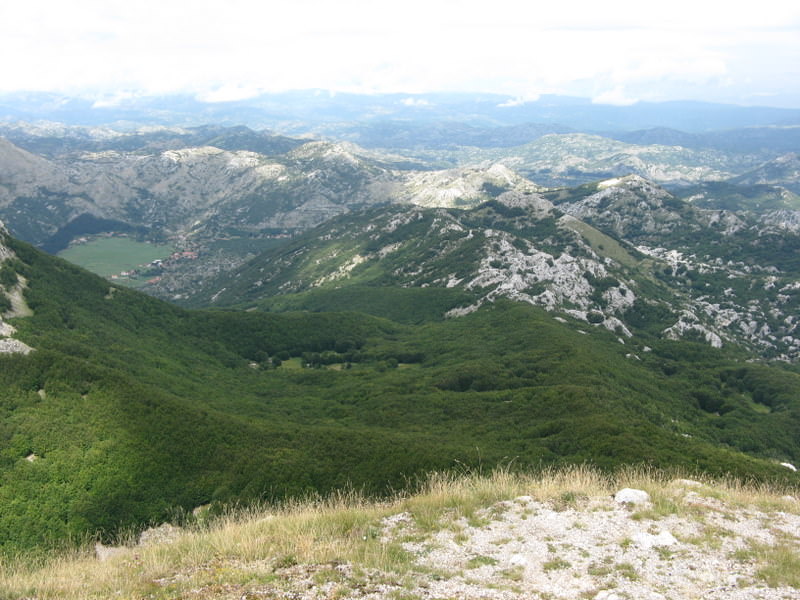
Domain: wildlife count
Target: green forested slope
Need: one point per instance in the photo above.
(133, 407)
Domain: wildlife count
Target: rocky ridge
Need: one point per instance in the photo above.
(705, 256)
(522, 247)
(487, 251)
(784, 170)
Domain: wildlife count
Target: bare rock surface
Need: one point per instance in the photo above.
(631, 496)
(600, 548)
(577, 547)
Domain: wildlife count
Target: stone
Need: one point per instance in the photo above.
(163, 534)
(12, 346)
(631, 496)
(607, 595)
(648, 540)
(518, 560)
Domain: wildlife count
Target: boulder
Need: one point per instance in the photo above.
(648, 540)
(631, 496)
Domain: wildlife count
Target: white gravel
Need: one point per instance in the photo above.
(600, 549)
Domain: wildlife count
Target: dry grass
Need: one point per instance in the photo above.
(251, 547)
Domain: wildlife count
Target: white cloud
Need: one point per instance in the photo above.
(229, 93)
(414, 102)
(230, 50)
(617, 97)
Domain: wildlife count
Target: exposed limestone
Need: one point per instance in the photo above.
(683, 327)
(463, 187)
(12, 346)
(6, 329)
(342, 272)
(164, 533)
(508, 271)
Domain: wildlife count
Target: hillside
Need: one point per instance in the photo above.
(784, 170)
(623, 253)
(127, 408)
(558, 534)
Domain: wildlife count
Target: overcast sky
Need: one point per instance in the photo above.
(614, 52)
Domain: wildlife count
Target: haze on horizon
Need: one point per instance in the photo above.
(617, 52)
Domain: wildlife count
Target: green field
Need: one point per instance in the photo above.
(108, 256)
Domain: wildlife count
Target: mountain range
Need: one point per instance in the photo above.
(228, 202)
(302, 111)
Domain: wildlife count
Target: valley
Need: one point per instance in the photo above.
(381, 301)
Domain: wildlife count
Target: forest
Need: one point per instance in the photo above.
(131, 411)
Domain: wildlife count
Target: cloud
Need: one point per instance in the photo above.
(519, 100)
(228, 93)
(115, 99)
(226, 51)
(417, 102)
(616, 97)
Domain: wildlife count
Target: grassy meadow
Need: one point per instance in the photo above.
(108, 256)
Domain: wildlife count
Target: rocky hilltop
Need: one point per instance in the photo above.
(563, 535)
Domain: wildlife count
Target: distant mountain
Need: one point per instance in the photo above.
(724, 195)
(224, 206)
(784, 171)
(440, 135)
(301, 111)
(207, 191)
(774, 140)
(572, 159)
(54, 140)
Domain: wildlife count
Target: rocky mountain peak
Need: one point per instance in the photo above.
(464, 187)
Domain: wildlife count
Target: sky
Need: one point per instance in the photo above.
(615, 52)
